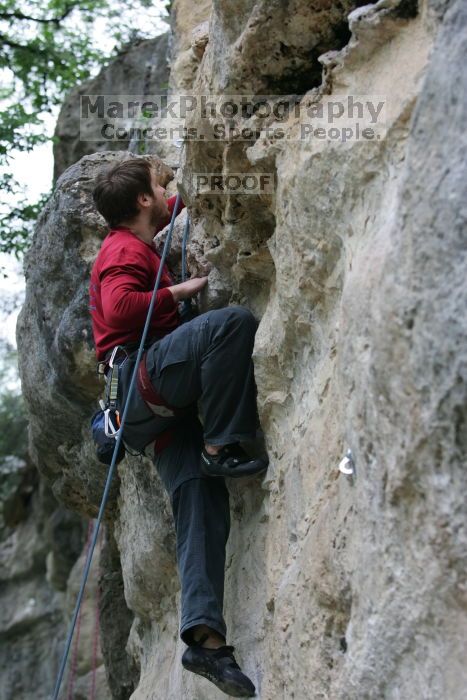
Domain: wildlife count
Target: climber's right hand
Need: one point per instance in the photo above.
(188, 289)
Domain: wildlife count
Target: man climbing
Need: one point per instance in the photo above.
(206, 360)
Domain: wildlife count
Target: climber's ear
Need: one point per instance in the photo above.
(144, 200)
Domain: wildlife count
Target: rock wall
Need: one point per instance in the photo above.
(139, 70)
(336, 587)
(39, 543)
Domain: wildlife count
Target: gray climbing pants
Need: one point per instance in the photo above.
(206, 360)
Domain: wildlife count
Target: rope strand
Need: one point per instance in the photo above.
(74, 660)
(114, 456)
(92, 692)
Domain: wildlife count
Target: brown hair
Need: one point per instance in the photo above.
(117, 188)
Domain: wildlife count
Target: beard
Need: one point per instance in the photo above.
(158, 214)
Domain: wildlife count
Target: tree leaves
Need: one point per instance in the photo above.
(46, 48)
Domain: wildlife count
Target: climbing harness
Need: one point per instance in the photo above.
(105, 423)
(118, 441)
(150, 429)
(111, 414)
(154, 400)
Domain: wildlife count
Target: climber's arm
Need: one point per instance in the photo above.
(124, 292)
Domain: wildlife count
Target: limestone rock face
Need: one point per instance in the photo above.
(86, 669)
(39, 542)
(190, 34)
(264, 47)
(355, 571)
(140, 70)
(342, 587)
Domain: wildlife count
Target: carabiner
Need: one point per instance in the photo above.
(109, 427)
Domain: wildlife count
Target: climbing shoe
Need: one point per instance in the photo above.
(231, 460)
(219, 667)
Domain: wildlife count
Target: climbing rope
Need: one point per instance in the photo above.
(115, 452)
(74, 659)
(95, 641)
(186, 232)
(187, 309)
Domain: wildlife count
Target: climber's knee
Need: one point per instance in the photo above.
(233, 319)
(242, 316)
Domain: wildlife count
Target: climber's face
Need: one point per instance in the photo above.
(159, 210)
(155, 207)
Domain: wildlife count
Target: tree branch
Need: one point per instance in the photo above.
(24, 47)
(42, 20)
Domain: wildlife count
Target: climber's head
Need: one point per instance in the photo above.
(130, 190)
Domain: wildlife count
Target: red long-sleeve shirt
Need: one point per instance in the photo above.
(122, 280)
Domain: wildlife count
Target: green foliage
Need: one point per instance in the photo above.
(45, 53)
(13, 420)
(14, 432)
(46, 48)
(18, 220)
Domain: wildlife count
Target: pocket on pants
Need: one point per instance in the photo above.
(173, 349)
